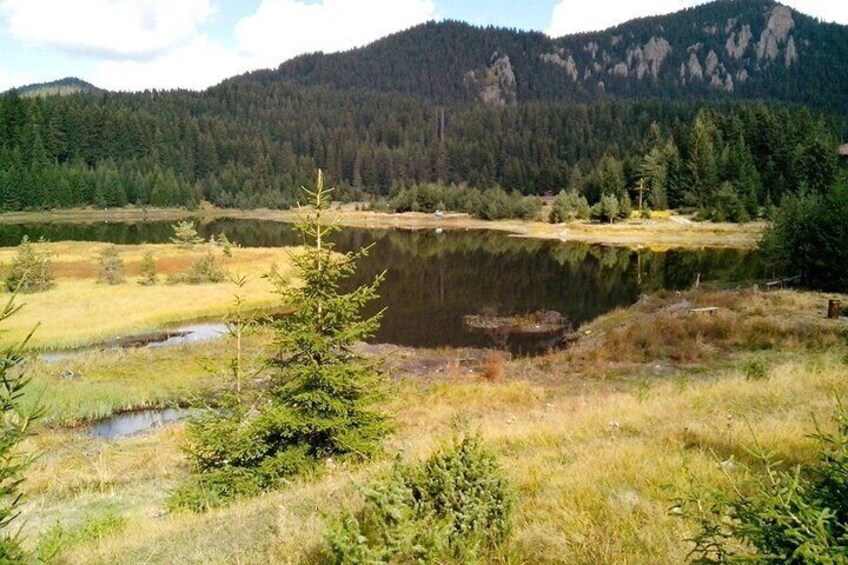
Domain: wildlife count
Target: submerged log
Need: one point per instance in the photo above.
(538, 323)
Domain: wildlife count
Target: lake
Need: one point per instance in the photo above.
(433, 280)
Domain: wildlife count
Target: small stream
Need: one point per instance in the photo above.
(130, 423)
(172, 337)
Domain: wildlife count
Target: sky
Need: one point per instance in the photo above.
(194, 44)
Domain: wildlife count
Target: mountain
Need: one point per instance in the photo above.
(660, 103)
(61, 87)
(728, 49)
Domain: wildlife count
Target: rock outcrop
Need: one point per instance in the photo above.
(738, 43)
(495, 85)
(780, 24)
(566, 63)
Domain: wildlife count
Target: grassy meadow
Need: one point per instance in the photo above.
(80, 309)
(598, 440)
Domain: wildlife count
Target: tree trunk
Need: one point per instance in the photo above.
(834, 309)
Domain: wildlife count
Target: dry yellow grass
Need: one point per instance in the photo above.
(81, 310)
(596, 474)
(596, 468)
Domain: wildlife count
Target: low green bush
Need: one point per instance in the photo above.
(756, 371)
(204, 270)
(569, 206)
(456, 507)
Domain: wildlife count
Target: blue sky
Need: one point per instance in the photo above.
(139, 44)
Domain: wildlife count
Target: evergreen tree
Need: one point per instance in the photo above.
(31, 270)
(320, 401)
(702, 166)
(111, 265)
(185, 235)
(326, 386)
(808, 238)
(607, 210)
(14, 427)
(148, 270)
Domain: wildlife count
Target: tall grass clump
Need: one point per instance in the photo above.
(777, 515)
(456, 507)
(320, 398)
(31, 269)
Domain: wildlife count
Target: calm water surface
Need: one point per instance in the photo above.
(433, 280)
(127, 424)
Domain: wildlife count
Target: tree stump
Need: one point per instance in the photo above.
(834, 309)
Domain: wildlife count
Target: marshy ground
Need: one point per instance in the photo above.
(598, 439)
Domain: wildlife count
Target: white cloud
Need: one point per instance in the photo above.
(9, 79)
(195, 66)
(119, 29)
(573, 16)
(281, 29)
(277, 31)
(826, 10)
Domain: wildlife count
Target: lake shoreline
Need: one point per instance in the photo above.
(674, 232)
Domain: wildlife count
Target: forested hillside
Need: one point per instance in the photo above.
(61, 87)
(730, 49)
(253, 140)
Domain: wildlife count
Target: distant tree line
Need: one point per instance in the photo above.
(244, 144)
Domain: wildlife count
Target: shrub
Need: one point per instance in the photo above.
(204, 270)
(794, 516)
(185, 235)
(226, 244)
(756, 371)
(569, 206)
(111, 265)
(31, 270)
(148, 270)
(319, 401)
(455, 507)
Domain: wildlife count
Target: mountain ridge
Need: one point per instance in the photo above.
(60, 87)
(730, 49)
